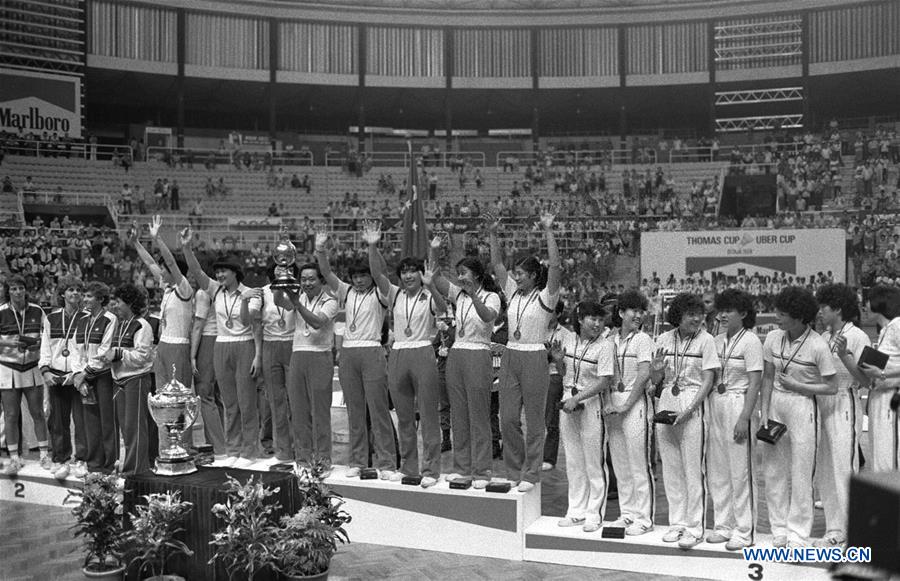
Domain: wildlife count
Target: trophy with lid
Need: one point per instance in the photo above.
(285, 256)
(174, 408)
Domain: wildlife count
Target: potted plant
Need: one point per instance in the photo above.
(304, 543)
(99, 521)
(151, 540)
(242, 543)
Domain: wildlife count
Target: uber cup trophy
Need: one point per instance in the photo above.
(174, 407)
(284, 255)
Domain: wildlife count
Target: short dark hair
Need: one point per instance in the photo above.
(798, 303)
(99, 290)
(66, 282)
(133, 296)
(311, 266)
(840, 297)
(359, 267)
(410, 263)
(531, 265)
(682, 304)
(586, 309)
(885, 300)
(740, 301)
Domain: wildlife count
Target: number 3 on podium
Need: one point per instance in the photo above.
(756, 572)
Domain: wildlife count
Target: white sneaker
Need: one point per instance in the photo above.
(546, 466)
(79, 469)
(621, 522)
(780, 541)
(428, 482)
(525, 486)
(395, 476)
(635, 530)
(387, 474)
(480, 484)
(591, 527)
(47, 463)
(243, 463)
(688, 541)
(453, 476)
(736, 545)
(716, 537)
(569, 522)
(673, 535)
(62, 473)
(829, 541)
(15, 464)
(352, 472)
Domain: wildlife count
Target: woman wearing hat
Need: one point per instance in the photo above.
(237, 355)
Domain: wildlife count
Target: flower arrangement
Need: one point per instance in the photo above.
(242, 544)
(151, 540)
(99, 520)
(305, 542)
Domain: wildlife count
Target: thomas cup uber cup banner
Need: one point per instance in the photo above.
(38, 102)
(734, 252)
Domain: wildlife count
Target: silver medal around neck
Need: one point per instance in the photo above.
(621, 387)
(282, 323)
(353, 328)
(517, 334)
(408, 332)
(675, 389)
(229, 324)
(721, 388)
(65, 352)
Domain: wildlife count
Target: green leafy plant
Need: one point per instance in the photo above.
(305, 542)
(99, 520)
(151, 540)
(242, 543)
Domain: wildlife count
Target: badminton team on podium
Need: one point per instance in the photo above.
(604, 386)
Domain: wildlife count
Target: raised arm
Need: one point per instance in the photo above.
(371, 233)
(493, 225)
(186, 238)
(438, 281)
(333, 282)
(168, 258)
(554, 271)
(142, 252)
(440, 303)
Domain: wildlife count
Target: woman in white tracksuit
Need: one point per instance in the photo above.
(684, 365)
(884, 425)
(585, 360)
(732, 434)
(629, 415)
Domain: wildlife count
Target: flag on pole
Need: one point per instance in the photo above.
(415, 232)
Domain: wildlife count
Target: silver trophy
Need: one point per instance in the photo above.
(285, 256)
(174, 408)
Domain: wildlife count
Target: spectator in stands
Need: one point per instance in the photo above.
(8, 187)
(175, 196)
(126, 198)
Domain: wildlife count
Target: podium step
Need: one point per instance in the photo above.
(466, 522)
(545, 542)
(35, 485)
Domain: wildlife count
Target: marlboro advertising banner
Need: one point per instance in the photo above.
(796, 253)
(33, 102)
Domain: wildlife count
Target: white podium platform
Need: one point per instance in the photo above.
(466, 522)
(546, 542)
(35, 485)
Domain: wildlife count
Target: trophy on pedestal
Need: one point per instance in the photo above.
(174, 408)
(285, 255)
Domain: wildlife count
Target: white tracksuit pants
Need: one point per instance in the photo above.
(583, 435)
(884, 432)
(730, 467)
(683, 452)
(841, 422)
(630, 437)
(790, 465)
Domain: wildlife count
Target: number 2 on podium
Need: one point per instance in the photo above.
(19, 490)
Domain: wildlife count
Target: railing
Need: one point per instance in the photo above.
(517, 159)
(259, 159)
(401, 159)
(67, 149)
(65, 198)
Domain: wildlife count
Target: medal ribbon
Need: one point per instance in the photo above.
(230, 312)
(679, 367)
(312, 309)
(520, 310)
(89, 327)
(832, 344)
(409, 312)
(621, 365)
(68, 332)
(123, 330)
(784, 366)
(357, 303)
(725, 358)
(465, 316)
(579, 360)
